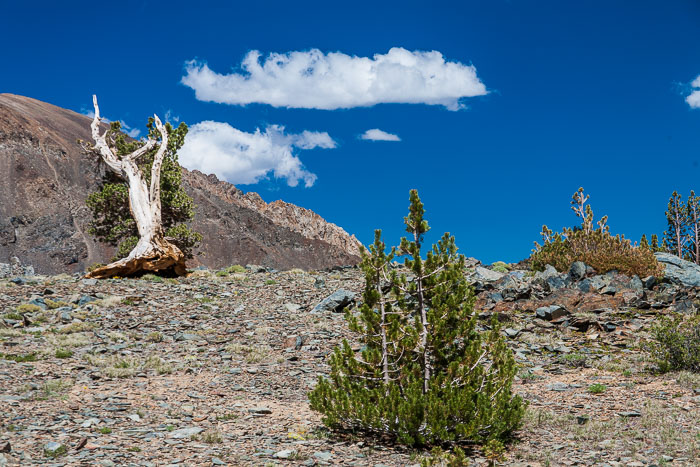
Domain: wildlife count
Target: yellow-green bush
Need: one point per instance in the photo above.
(594, 246)
(676, 344)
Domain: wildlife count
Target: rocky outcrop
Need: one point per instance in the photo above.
(46, 179)
(679, 271)
(583, 299)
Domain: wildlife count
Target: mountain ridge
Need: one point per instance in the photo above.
(47, 176)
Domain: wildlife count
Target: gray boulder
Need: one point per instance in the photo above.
(679, 271)
(549, 271)
(336, 302)
(552, 312)
(487, 275)
(577, 271)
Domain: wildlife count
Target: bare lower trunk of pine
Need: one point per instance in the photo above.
(152, 253)
(385, 346)
(424, 332)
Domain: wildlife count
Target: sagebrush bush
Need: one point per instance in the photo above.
(426, 374)
(675, 344)
(594, 246)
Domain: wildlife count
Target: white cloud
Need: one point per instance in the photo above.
(376, 134)
(133, 132)
(314, 80)
(171, 117)
(245, 158)
(693, 99)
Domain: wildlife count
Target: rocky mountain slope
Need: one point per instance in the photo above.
(46, 179)
(214, 369)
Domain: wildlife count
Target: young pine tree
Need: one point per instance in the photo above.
(426, 374)
(112, 220)
(677, 217)
(644, 243)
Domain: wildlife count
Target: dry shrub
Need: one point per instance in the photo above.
(594, 246)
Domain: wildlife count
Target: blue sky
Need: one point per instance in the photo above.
(591, 94)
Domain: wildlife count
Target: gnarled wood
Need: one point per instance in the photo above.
(153, 252)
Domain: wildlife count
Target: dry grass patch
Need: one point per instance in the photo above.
(114, 366)
(10, 333)
(78, 339)
(667, 429)
(77, 327)
(252, 353)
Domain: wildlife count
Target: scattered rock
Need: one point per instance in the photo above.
(577, 271)
(335, 302)
(551, 313)
(54, 449)
(487, 275)
(183, 433)
(285, 454)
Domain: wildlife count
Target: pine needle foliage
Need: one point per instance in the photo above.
(426, 374)
(112, 221)
(596, 247)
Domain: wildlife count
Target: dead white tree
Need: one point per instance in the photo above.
(153, 252)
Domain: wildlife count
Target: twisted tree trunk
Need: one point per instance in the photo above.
(152, 253)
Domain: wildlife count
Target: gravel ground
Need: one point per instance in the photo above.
(213, 369)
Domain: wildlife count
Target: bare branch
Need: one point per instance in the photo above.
(142, 150)
(157, 163)
(101, 145)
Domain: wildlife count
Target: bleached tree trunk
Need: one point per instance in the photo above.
(153, 252)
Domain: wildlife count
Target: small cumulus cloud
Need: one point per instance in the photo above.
(245, 158)
(693, 99)
(132, 132)
(376, 134)
(171, 117)
(315, 80)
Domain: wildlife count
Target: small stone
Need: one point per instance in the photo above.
(550, 313)
(5, 447)
(54, 449)
(286, 454)
(89, 281)
(577, 271)
(323, 455)
(649, 282)
(85, 299)
(183, 433)
(217, 461)
(260, 410)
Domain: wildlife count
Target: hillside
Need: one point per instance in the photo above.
(47, 177)
(214, 369)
